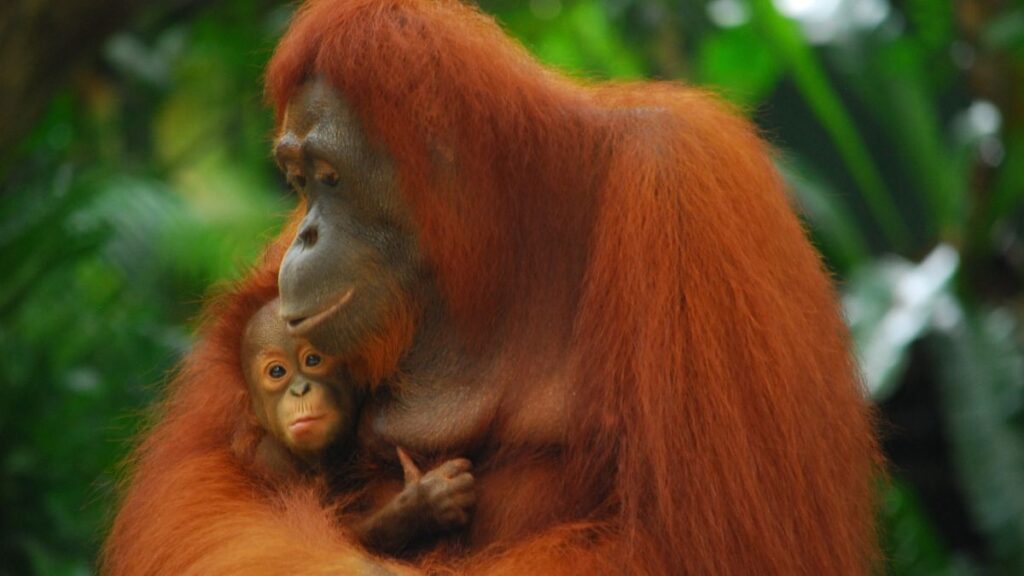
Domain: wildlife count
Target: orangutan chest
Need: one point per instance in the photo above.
(451, 420)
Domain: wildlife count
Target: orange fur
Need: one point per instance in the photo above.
(634, 238)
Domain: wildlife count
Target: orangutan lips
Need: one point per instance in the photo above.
(304, 325)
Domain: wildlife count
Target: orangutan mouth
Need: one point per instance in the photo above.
(300, 326)
(304, 424)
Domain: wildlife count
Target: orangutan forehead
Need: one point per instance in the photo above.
(317, 121)
(266, 329)
(315, 100)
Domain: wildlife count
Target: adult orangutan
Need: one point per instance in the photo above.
(597, 293)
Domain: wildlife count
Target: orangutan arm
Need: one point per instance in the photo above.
(204, 516)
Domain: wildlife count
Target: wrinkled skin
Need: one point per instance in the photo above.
(355, 252)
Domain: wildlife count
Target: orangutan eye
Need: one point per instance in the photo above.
(277, 371)
(313, 360)
(329, 178)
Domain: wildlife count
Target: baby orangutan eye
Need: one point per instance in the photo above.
(277, 371)
(313, 360)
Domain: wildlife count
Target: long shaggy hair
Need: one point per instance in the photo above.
(639, 228)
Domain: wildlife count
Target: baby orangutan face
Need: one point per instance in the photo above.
(297, 394)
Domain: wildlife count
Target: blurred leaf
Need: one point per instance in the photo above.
(1006, 31)
(890, 305)
(735, 60)
(139, 211)
(910, 544)
(832, 223)
(579, 38)
(151, 65)
(932, 22)
(814, 85)
(983, 399)
(43, 239)
(897, 92)
(1008, 190)
(53, 563)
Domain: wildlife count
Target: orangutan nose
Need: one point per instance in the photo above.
(299, 389)
(308, 236)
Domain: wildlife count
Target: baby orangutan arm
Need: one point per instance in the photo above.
(430, 503)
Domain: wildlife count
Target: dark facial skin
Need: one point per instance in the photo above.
(297, 394)
(355, 253)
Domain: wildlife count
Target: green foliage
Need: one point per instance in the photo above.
(149, 180)
(577, 37)
(148, 184)
(835, 227)
(736, 62)
(911, 545)
(810, 77)
(983, 401)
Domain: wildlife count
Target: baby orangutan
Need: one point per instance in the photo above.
(308, 414)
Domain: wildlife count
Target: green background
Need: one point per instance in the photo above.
(146, 180)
